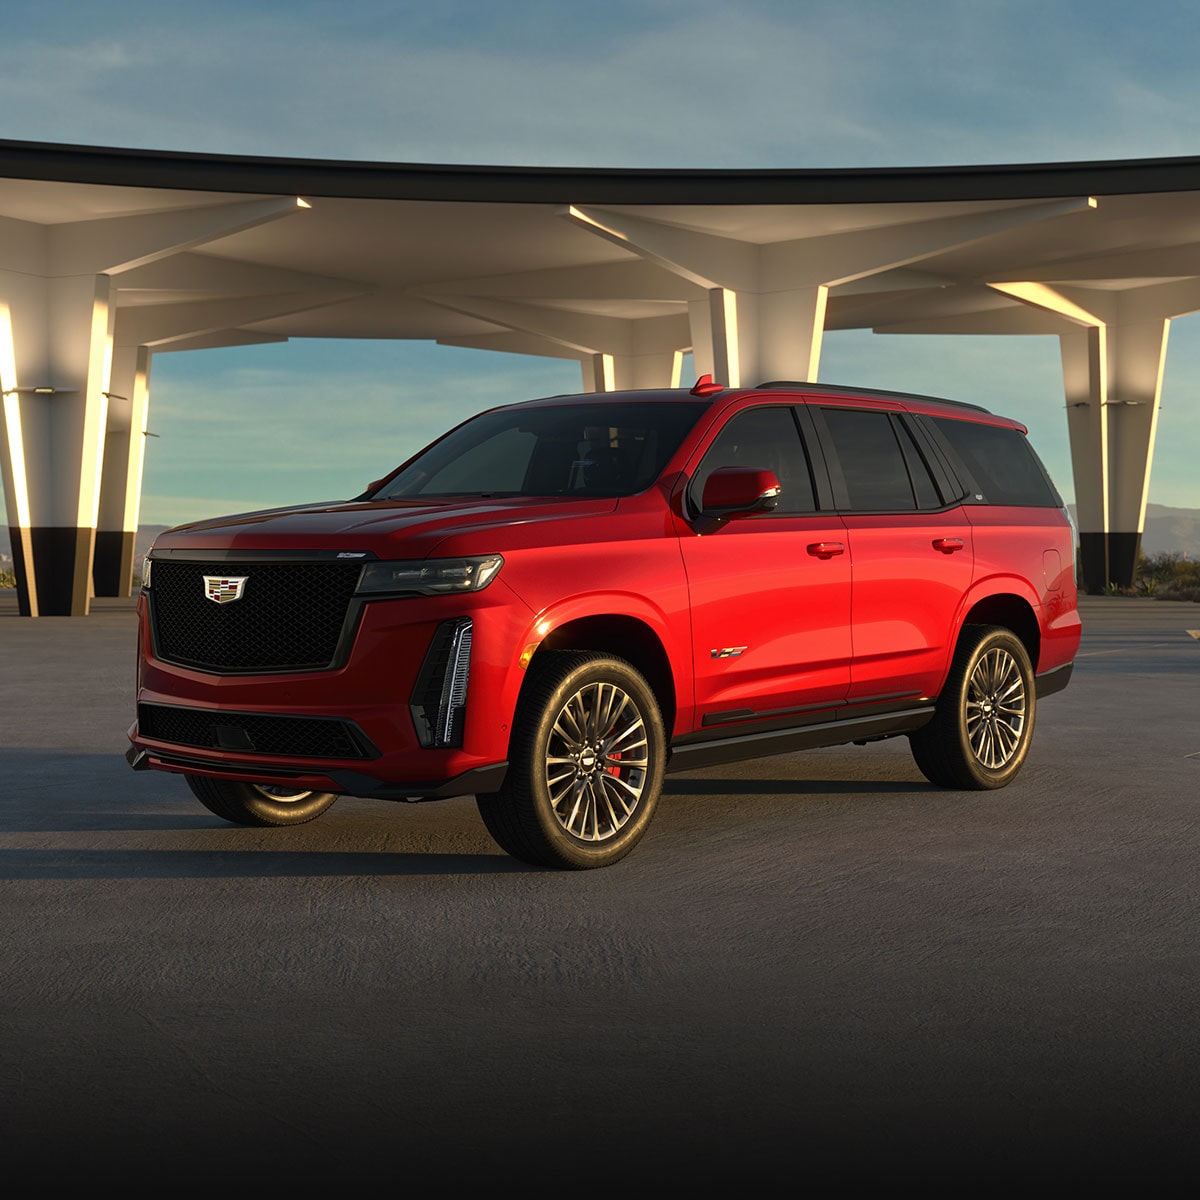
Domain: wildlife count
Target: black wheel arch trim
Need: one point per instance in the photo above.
(1049, 682)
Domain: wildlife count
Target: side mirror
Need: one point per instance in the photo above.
(737, 492)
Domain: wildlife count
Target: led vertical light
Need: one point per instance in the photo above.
(12, 421)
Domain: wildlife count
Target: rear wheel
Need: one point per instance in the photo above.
(981, 730)
(586, 763)
(261, 804)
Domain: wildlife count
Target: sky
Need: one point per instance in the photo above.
(756, 84)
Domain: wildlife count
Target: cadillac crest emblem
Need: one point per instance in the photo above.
(224, 589)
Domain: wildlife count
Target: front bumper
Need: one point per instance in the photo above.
(378, 752)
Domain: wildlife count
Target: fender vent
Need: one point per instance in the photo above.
(439, 701)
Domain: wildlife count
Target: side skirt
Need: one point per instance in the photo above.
(687, 756)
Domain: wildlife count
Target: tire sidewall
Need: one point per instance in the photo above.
(989, 777)
(572, 849)
(285, 812)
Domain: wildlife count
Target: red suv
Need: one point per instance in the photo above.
(557, 602)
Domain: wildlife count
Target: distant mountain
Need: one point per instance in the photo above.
(1172, 531)
(1169, 531)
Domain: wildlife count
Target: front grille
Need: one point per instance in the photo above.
(290, 617)
(254, 733)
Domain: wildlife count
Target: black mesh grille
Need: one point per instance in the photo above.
(290, 616)
(256, 733)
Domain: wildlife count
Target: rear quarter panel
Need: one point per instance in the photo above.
(1030, 552)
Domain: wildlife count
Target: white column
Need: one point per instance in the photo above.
(58, 303)
(1136, 356)
(1085, 376)
(1113, 372)
(61, 357)
(121, 479)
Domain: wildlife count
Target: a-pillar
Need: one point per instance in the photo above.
(55, 357)
(121, 478)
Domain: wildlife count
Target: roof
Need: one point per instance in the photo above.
(487, 256)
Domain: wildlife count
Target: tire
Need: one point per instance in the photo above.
(260, 804)
(586, 761)
(983, 723)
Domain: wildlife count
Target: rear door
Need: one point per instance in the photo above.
(911, 546)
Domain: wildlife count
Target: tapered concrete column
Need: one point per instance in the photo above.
(764, 336)
(1136, 357)
(1112, 371)
(59, 335)
(1113, 376)
(121, 477)
(58, 304)
(1085, 374)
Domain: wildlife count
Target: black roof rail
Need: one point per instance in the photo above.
(835, 389)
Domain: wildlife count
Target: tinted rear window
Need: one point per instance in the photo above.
(1002, 462)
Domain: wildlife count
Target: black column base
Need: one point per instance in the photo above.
(22, 552)
(62, 559)
(1108, 558)
(112, 564)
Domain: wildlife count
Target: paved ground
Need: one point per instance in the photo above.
(814, 964)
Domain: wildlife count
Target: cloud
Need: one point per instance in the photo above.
(762, 84)
(262, 427)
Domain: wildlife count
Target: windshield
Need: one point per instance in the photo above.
(601, 449)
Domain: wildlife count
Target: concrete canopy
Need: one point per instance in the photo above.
(110, 256)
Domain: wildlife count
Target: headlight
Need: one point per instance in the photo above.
(430, 576)
(146, 565)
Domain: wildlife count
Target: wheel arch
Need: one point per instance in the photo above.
(624, 637)
(1011, 610)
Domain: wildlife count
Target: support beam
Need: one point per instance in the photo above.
(615, 352)
(767, 301)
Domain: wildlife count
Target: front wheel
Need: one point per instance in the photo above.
(983, 724)
(586, 761)
(260, 804)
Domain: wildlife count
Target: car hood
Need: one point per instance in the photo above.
(384, 527)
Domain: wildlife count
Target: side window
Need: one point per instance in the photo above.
(871, 459)
(923, 483)
(762, 437)
(1002, 462)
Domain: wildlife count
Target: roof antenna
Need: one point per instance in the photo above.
(704, 386)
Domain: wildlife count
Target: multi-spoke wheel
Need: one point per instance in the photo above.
(585, 763)
(980, 733)
(258, 803)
